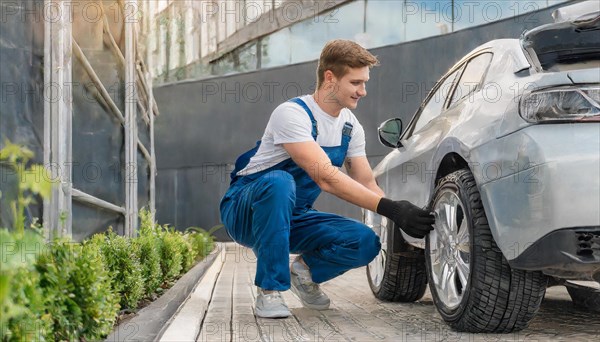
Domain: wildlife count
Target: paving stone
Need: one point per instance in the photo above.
(356, 315)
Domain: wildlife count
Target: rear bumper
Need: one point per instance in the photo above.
(572, 253)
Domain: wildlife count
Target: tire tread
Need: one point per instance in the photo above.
(501, 299)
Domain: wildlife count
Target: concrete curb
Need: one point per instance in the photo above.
(186, 323)
(150, 321)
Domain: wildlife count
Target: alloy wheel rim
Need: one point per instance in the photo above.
(377, 266)
(449, 249)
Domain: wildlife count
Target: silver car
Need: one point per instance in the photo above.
(505, 150)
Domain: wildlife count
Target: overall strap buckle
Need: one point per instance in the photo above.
(347, 130)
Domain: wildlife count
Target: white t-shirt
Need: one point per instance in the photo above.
(289, 123)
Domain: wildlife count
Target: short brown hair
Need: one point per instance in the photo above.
(339, 55)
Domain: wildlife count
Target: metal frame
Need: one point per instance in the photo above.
(60, 47)
(58, 118)
(131, 167)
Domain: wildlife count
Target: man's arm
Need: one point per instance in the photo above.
(359, 169)
(312, 159)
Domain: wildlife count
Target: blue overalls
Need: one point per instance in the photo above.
(271, 212)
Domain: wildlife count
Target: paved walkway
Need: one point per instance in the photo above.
(355, 314)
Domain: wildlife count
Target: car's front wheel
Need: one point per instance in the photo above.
(395, 276)
(472, 285)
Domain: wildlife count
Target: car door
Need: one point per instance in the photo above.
(408, 169)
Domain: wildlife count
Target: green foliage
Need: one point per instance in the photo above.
(170, 261)
(71, 291)
(55, 268)
(121, 258)
(28, 325)
(202, 241)
(77, 289)
(94, 294)
(149, 245)
(21, 298)
(32, 181)
(188, 253)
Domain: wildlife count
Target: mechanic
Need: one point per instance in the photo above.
(269, 205)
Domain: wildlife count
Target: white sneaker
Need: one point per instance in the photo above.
(308, 292)
(270, 305)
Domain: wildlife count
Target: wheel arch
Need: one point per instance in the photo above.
(451, 162)
(451, 159)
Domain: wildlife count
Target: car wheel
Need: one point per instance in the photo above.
(395, 277)
(472, 285)
(585, 297)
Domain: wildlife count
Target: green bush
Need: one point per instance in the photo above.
(171, 257)
(71, 291)
(93, 288)
(149, 246)
(202, 241)
(78, 293)
(29, 325)
(121, 258)
(188, 253)
(21, 298)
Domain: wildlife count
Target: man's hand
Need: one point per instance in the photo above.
(413, 220)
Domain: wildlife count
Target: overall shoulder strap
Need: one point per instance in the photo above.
(347, 130)
(347, 133)
(315, 129)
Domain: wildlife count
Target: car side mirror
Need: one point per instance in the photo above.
(390, 132)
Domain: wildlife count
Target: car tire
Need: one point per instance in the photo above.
(585, 297)
(400, 276)
(489, 296)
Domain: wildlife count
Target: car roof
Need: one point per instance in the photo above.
(509, 46)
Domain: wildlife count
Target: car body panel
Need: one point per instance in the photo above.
(548, 179)
(499, 146)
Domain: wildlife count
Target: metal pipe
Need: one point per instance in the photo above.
(47, 114)
(144, 151)
(112, 44)
(83, 197)
(146, 79)
(152, 150)
(131, 180)
(58, 121)
(102, 90)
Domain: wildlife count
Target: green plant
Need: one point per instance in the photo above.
(95, 294)
(202, 241)
(55, 268)
(170, 260)
(188, 253)
(77, 289)
(21, 298)
(150, 235)
(149, 245)
(121, 258)
(31, 181)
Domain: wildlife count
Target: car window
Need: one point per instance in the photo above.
(434, 107)
(471, 78)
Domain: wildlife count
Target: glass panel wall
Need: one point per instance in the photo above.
(384, 23)
(371, 23)
(470, 13)
(241, 60)
(276, 49)
(309, 36)
(427, 18)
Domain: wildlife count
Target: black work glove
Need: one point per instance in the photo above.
(413, 220)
